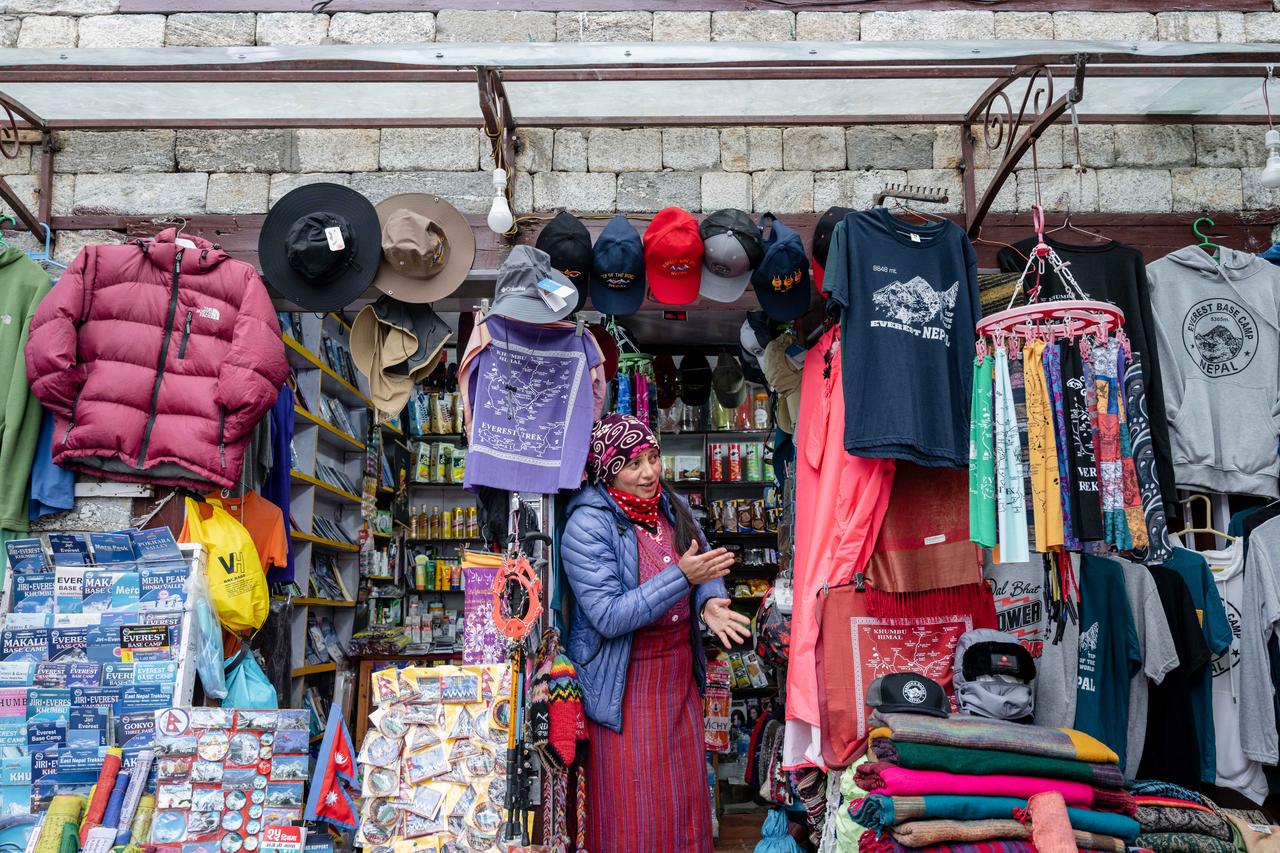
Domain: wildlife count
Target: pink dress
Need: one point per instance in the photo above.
(647, 787)
(840, 502)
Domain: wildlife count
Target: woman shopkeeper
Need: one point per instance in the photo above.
(643, 581)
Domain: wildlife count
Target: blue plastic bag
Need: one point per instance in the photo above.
(209, 661)
(774, 837)
(247, 684)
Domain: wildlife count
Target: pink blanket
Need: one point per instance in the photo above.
(901, 782)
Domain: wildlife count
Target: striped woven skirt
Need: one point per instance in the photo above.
(647, 787)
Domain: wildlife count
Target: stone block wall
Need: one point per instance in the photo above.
(1135, 168)
(795, 169)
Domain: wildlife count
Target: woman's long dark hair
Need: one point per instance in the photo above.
(687, 529)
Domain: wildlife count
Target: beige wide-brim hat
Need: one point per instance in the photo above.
(427, 247)
(397, 345)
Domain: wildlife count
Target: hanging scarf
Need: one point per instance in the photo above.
(642, 511)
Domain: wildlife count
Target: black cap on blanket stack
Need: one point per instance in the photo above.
(908, 693)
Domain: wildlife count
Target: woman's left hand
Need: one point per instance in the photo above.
(726, 623)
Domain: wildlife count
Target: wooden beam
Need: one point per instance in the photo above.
(171, 6)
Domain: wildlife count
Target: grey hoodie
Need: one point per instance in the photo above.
(1218, 333)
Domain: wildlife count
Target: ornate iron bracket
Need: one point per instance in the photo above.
(11, 147)
(1002, 129)
(499, 124)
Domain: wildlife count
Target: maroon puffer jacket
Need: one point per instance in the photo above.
(157, 361)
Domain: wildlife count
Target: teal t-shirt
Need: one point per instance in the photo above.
(1217, 636)
(1110, 654)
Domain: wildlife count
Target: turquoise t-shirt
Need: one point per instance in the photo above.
(1217, 636)
(1110, 654)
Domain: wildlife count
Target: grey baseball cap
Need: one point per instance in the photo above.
(731, 249)
(728, 382)
(517, 295)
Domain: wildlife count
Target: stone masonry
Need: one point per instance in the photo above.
(785, 170)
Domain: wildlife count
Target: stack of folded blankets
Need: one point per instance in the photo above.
(1175, 820)
(961, 785)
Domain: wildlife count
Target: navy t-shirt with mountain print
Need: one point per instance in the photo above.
(909, 300)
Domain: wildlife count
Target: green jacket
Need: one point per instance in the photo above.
(23, 283)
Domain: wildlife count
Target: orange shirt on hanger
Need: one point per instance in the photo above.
(263, 520)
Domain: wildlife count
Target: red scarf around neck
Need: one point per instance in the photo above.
(640, 510)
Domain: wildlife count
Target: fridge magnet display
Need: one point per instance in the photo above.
(214, 781)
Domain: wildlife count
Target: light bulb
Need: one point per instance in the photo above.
(1271, 172)
(500, 219)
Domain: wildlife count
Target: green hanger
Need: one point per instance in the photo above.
(1205, 243)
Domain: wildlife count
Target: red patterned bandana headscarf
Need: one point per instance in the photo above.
(615, 441)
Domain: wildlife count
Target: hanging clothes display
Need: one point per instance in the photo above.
(1158, 545)
(1046, 494)
(1218, 328)
(1111, 272)
(276, 488)
(840, 503)
(909, 301)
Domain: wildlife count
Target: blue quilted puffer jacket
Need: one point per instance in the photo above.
(602, 561)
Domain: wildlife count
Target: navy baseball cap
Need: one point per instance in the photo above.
(617, 269)
(781, 281)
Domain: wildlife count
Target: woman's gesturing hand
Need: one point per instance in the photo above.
(700, 568)
(726, 623)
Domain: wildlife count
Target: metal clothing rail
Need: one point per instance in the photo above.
(502, 86)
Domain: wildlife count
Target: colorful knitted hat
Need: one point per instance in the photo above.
(568, 736)
(615, 441)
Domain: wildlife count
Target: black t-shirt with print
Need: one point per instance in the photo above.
(1172, 751)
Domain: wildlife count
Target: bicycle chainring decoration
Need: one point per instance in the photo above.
(517, 597)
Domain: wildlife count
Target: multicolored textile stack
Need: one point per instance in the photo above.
(962, 784)
(1176, 819)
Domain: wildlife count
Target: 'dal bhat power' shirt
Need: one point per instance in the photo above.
(909, 300)
(531, 407)
(1110, 653)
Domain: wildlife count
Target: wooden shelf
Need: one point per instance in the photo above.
(394, 430)
(376, 535)
(321, 484)
(314, 670)
(331, 544)
(324, 602)
(301, 357)
(421, 485)
(335, 435)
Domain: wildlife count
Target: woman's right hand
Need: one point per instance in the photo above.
(700, 568)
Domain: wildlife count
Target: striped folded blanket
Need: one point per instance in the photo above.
(927, 833)
(976, 733)
(883, 778)
(993, 762)
(880, 812)
(869, 843)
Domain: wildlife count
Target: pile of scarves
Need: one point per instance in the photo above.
(1053, 428)
(963, 784)
(1176, 820)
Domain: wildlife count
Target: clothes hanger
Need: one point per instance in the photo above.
(44, 257)
(1067, 226)
(1212, 248)
(986, 242)
(1208, 516)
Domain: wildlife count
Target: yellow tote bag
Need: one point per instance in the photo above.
(237, 583)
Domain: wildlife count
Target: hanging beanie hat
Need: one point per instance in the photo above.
(994, 676)
(568, 720)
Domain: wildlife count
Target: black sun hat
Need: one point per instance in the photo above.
(320, 246)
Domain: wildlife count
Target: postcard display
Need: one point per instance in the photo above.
(433, 763)
(97, 637)
(224, 778)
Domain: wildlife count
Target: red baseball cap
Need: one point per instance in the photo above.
(673, 257)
